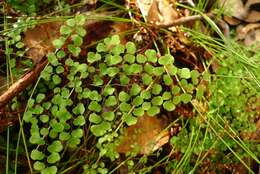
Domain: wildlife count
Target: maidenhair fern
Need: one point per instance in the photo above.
(112, 84)
(105, 91)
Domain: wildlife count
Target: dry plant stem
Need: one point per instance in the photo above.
(22, 83)
(184, 20)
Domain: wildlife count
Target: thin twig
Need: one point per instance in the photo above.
(22, 83)
(183, 20)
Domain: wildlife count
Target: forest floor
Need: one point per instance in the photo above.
(133, 86)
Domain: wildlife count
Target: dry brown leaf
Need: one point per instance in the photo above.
(249, 3)
(146, 136)
(39, 40)
(249, 33)
(144, 6)
(231, 20)
(157, 12)
(253, 16)
(234, 8)
(237, 9)
(161, 13)
(253, 37)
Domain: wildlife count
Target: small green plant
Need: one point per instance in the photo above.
(226, 120)
(15, 46)
(85, 100)
(106, 91)
(50, 119)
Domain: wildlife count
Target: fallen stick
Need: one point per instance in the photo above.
(22, 83)
(222, 24)
(184, 20)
